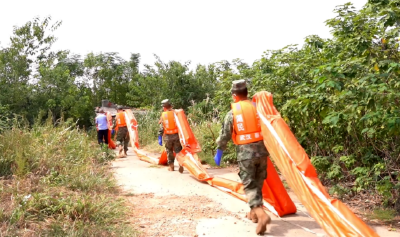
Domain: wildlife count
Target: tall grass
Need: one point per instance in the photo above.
(55, 181)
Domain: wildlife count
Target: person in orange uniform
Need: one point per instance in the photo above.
(170, 131)
(122, 133)
(242, 125)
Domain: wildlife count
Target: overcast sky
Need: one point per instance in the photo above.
(200, 31)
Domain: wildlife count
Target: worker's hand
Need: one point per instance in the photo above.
(112, 132)
(160, 140)
(218, 157)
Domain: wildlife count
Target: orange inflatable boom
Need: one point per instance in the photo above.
(276, 198)
(132, 125)
(187, 157)
(274, 193)
(333, 216)
(111, 143)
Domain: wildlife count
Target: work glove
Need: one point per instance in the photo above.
(218, 156)
(160, 140)
(112, 132)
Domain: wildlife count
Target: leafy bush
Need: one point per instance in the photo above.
(148, 128)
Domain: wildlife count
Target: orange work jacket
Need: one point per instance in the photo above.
(169, 124)
(246, 123)
(120, 119)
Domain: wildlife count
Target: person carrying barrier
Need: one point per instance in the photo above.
(169, 129)
(102, 128)
(242, 125)
(122, 133)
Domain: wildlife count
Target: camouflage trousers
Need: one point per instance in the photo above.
(253, 172)
(172, 145)
(123, 137)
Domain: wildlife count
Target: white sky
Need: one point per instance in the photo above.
(202, 31)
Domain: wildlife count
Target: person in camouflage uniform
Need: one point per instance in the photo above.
(122, 133)
(252, 159)
(172, 142)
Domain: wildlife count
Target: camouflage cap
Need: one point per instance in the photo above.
(238, 85)
(119, 107)
(165, 103)
(101, 111)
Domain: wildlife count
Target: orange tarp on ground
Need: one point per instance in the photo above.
(293, 162)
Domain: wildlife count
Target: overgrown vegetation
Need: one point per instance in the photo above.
(383, 214)
(340, 96)
(55, 182)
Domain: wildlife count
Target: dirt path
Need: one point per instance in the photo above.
(172, 204)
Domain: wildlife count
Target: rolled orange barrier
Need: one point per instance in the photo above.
(275, 193)
(163, 158)
(192, 163)
(331, 214)
(131, 124)
(111, 143)
(227, 183)
(188, 140)
(147, 157)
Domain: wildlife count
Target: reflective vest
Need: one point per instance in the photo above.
(169, 123)
(246, 123)
(120, 118)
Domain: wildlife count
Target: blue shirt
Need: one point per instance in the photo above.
(101, 121)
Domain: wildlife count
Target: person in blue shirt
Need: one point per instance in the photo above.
(102, 128)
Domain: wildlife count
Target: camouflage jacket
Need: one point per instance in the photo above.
(245, 151)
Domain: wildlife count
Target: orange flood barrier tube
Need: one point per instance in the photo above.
(111, 143)
(192, 163)
(275, 193)
(188, 140)
(160, 160)
(188, 157)
(132, 126)
(131, 123)
(227, 183)
(331, 214)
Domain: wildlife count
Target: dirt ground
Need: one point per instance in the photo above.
(167, 203)
(162, 216)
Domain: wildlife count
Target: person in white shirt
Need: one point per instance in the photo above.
(102, 128)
